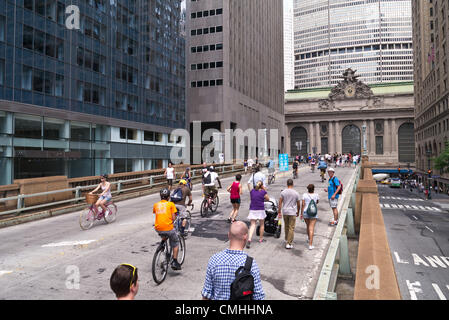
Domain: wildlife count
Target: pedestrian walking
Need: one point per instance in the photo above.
(257, 212)
(245, 165)
(169, 175)
(235, 189)
(124, 282)
(289, 206)
(307, 214)
(333, 193)
(222, 267)
(256, 177)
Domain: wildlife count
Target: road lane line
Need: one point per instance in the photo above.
(68, 243)
(400, 206)
(429, 229)
(438, 291)
(415, 217)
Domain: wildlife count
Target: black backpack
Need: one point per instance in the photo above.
(242, 288)
(176, 196)
(207, 178)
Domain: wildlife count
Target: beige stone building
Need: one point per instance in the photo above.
(333, 120)
(235, 73)
(431, 63)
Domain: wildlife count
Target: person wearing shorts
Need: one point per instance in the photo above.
(105, 195)
(333, 190)
(181, 206)
(257, 212)
(236, 190)
(170, 175)
(310, 221)
(165, 212)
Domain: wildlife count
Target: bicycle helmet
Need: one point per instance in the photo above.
(211, 168)
(165, 194)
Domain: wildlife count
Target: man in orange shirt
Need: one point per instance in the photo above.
(165, 216)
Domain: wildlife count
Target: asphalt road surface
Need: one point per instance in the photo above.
(417, 232)
(55, 259)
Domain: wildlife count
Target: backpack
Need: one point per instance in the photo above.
(341, 184)
(312, 209)
(176, 196)
(207, 178)
(242, 288)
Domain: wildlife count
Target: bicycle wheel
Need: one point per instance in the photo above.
(214, 205)
(182, 249)
(188, 223)
(111, 213)
(160, 264)
(87, 217)
(203, 208)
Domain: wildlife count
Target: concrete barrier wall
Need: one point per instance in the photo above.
(375, 275)
(37, 185)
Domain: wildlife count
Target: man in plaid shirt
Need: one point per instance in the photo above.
(222, 266)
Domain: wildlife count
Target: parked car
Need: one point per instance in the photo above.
(386, 181)
(395, 183)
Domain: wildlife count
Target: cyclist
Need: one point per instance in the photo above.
(165, 216)
(105, 196)
(322, 165)
(187, 176)
(209, 179)
(179, 197)
(295, 168)
(312, 164)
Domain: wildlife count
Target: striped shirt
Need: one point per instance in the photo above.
(221, 273)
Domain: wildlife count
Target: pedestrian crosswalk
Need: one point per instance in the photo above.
(409, 207)
(400, 198)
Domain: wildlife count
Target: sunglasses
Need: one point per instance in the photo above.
(134, 272)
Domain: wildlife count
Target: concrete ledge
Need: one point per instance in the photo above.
(375, 276)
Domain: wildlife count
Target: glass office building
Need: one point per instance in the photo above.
(373, 37)
(101, 96)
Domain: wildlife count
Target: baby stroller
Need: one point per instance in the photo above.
(271, 223)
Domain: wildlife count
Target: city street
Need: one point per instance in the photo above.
(417, 232)
(55, 259)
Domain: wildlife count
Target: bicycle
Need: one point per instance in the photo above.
(188, 223)
(322, 173)
(210, 202)
(163, 256)
(92, 213)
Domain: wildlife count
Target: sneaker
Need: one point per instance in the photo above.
(288, 246)
(262, 240)
(175, 265)
(311, 247)
(333, 223)
(229, 220)
(248, 244)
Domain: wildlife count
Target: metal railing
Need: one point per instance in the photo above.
(78, 196)
(336, 263)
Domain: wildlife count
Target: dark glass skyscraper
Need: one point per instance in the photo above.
(104, 97)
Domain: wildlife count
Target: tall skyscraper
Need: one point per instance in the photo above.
(98, 94)
(289, 51)
(430, 44)
(235, 68)
(372, 37)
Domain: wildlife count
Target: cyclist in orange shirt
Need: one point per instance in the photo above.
(165, 216)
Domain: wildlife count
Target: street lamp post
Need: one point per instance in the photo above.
(429, 178)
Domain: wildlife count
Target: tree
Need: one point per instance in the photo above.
(442, 161)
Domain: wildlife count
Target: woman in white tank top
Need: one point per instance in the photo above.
(106, 195)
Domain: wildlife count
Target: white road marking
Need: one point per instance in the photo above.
(414, 288)
(68, 243)
(415, 217)
(429, 229)
(438, 291)
(3, 272)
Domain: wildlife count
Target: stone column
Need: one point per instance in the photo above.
(394, 144)
(387, 138)
(318, 137)
(311, 137)
(331, 135)
(372, 138)
(338, 144)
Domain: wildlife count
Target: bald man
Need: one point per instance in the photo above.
(222, 266)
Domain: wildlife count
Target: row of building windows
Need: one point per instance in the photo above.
(206, 83)
(199, 32)
(390, 46)
(206, 65)
(205, 48)
(206, 13)
(91, 93)
(126, 73)
(308, 48)
(42, 81)
(91, 60)
(43, 43)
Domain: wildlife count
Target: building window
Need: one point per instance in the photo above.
(2, 72)
(379, 145)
